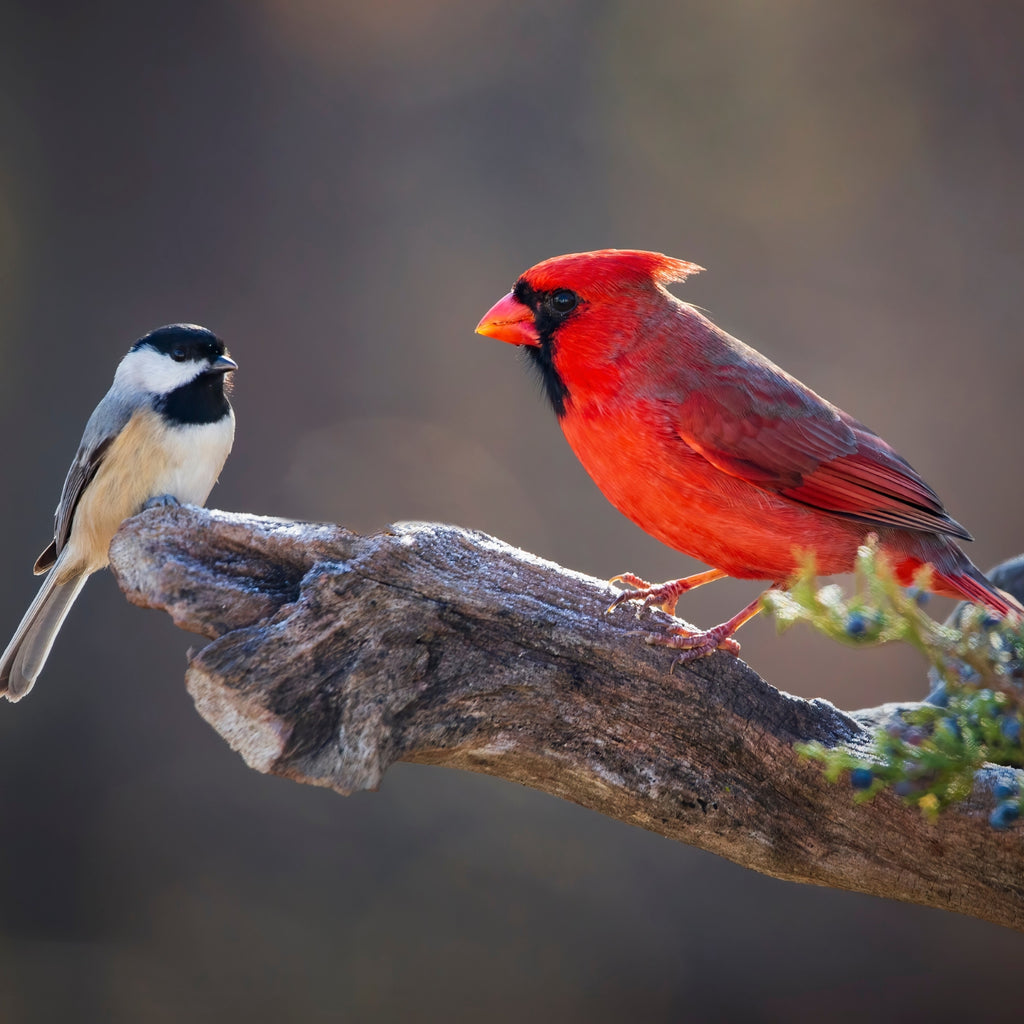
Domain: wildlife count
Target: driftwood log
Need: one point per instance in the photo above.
(334, 655)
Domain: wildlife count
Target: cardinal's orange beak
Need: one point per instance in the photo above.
(509, 320)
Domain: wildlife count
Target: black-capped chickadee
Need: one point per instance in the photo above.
(161, 432)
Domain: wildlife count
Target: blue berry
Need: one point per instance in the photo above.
(1009, 726)
(856, 624)
(861, 778)
(939, 697)
(952, 726)
(904, 787)
(1004, 815)
(1005, 788)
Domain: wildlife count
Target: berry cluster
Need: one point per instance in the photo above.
(929, 755)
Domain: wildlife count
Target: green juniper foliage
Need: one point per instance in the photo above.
(929, 754)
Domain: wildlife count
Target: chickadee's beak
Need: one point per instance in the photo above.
(223, 364)
(509, 320)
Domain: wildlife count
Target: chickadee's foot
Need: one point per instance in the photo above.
(162, 501)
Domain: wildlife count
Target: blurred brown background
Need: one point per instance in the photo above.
(341, 190)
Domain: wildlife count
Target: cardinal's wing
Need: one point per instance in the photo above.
(761, 425)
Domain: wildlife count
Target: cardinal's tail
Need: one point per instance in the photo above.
(26, 654)
(971, 585)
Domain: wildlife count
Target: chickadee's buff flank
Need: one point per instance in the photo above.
(163, 430)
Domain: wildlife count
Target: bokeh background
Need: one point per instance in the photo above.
(341, 189)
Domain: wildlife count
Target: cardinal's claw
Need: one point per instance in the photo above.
(663, 595)
(631, 579)
(647, 595)
(694, 645)
(691, 644)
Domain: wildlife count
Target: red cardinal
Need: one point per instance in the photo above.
(712, 448)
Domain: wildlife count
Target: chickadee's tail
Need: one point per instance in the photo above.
(30, 646)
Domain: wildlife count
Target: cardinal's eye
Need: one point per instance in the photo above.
(564, 301)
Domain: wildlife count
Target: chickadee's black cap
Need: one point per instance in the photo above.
(188, 341)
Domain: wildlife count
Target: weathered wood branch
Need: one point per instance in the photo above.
(334, 655)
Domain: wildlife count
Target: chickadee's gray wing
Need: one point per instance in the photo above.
(106, 422)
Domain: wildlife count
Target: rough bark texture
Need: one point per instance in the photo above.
(334, 655)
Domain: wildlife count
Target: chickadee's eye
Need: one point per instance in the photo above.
(178, 355)
(564, 301)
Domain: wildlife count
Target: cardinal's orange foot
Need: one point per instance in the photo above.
(694, 644)
(697, 643)
(662, 595)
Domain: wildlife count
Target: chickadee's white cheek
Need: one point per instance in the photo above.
(147, 370)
